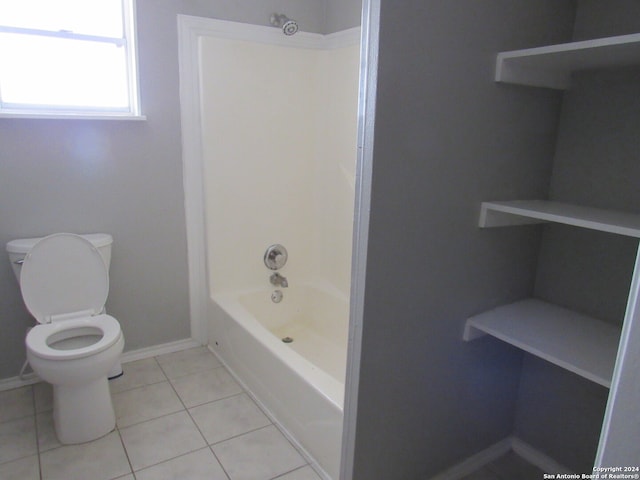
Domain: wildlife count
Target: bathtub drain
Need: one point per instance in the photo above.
(287, 339)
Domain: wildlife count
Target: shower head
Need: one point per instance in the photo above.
(280, 20)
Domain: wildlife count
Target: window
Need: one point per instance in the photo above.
(68, 58)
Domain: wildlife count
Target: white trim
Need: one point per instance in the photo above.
(523, 449)
(72, 116)
(189, 31)
(155, 350)
(537, 458)
(201, 26)
(344, 38)
(128, 40)
(126, 357)
(248, 32)
(117, 41)
(133, 65)
(17, 382)
(618, 438)
(366, 123)
(476, 461)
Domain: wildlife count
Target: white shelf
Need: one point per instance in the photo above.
(522, 212)
(576, 342)
(551, 66)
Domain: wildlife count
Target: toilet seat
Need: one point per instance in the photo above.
(65, 284)
(38, 339)
(64, 276)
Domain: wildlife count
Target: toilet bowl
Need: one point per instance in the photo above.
(64, 283)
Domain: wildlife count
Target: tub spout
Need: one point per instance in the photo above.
(278, 280)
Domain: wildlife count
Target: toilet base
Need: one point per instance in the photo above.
(83, 413)
(116, 371)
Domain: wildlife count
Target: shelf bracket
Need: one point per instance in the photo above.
(506, 72)
(490, 217)
(471, 332)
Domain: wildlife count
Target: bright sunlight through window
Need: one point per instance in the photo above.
(68, 58)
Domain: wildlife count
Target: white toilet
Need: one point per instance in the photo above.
(64, 279)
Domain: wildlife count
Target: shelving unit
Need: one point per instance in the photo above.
(578, 343)
(522, 212)
(598, 351)
(551, 66)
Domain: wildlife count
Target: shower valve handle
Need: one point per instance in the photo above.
(275, 257)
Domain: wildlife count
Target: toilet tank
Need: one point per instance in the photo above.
(18, 249)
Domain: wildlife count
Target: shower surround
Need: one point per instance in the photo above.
(279, 127)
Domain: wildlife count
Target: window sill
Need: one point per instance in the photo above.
(73, 116)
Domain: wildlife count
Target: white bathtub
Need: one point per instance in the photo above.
(301, 383)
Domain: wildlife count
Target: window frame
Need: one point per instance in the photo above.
(128, 41)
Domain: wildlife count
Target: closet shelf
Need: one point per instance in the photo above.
(522, 212)
(576, 342)
(551, 66)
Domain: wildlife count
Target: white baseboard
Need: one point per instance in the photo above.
(16, 382)
(131, 356)
(161, 349)
(537, 458)
(476, 461)
(486, 456)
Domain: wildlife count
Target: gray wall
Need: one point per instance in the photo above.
(596, 164)
(596, 19)
(124, 178)
(342, 14)
(446, 138)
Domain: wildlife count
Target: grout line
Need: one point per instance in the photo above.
(170, 459)
(191, 417)
(219, 462)
(241, 434)
(212, 401)
(185, 409)
(291, 471)
(124, 447)
(149, 420)
(187, 374)
(290, 437)
(118, 429)
(35, 419)
(138, 386)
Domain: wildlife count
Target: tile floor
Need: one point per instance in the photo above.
(179, 416)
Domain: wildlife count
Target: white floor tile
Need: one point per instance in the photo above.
(43, 394)
(260, 455)
(138, 374)
(102, 459)
(160, 439)
(187, 362)
(23, 469)
(228, 418)
(16, 403)
(207, 386)
(144, 403)
(304, 473)
(199, 465)
(157, 438)
(47, 438)
(17, 438)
